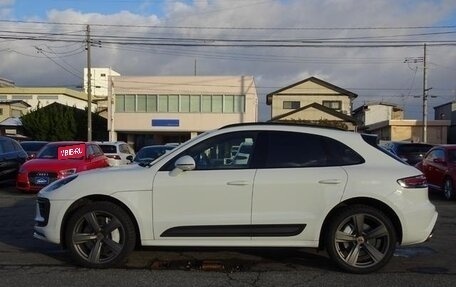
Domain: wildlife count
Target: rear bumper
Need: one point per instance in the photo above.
(420, 225)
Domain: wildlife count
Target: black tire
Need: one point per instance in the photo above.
(360, 239)
(448, 189)
(100, 235)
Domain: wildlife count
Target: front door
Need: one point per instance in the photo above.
(212, 201)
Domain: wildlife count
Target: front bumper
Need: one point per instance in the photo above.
(48, 219)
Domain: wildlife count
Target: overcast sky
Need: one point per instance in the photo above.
(372, 48)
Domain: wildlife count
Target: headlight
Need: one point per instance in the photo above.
(59, 183)
(67, 172)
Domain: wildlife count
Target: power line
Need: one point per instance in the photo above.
(236, 28)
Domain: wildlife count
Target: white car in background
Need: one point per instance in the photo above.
(299, 187)
(118, 153)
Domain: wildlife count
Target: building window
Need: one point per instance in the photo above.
(239, 104)
(217, 104)
(173, 103)
(22, 97)
(130, 103)
(1, 111)
(151, 103)
(163, 104)
(180, 103)
(102, 75)
(228, 104)
(120, 103)
(206, 104)
(335, 105)
(195, 104)
(3, 97)
(48, 97)
(184, 104)
(291, 105)
(141, 103)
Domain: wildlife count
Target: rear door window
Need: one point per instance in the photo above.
(293, 149)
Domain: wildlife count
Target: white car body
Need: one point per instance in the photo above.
(161, 201)
(123, 154)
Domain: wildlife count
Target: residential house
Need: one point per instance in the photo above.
(12, 127)
(447, 111)
(12, 108)
(312, 100)
(387, 121)
(371, 113)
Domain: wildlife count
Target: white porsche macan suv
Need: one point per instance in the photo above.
(300, 186)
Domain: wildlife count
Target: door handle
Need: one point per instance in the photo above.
(238, 182)
(330, 181)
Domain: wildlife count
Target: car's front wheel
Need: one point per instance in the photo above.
(360, 239)
(448, 189)
(100, 235)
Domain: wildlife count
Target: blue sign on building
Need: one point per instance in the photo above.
(165, 122)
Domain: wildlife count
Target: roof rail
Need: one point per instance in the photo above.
(281, 124)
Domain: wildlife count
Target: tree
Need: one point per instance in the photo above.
(57, 122)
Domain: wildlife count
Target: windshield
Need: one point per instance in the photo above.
(51, 152)
(32, 146)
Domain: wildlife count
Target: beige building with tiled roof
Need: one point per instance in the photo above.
(43, 96)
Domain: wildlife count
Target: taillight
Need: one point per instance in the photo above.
(413, 182)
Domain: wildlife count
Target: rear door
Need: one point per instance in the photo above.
(95, 157)
(299, 179)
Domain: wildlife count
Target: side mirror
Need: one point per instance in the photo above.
(130, 158)
(185, 163)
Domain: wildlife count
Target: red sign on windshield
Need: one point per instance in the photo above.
(71, 151)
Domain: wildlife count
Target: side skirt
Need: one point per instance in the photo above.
(255, 230)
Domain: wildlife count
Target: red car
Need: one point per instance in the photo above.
(47, 167)
(439, 167)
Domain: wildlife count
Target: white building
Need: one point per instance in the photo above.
(157, 110)
(99, 81)
(375, 112)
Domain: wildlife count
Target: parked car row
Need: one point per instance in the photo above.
(36, 164)
(436, 162)
(410, 152)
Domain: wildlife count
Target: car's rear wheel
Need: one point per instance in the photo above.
(448, 189)
(360, 239)
(100, 235)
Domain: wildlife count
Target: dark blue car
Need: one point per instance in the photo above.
(12, 156)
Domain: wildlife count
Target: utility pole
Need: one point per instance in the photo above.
(89, 87)
(425, 90)
(416, 60)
